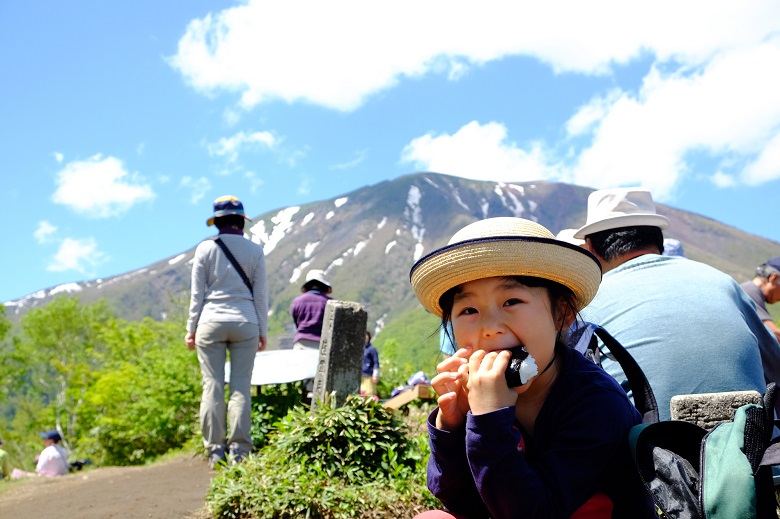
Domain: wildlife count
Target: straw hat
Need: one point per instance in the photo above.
(226, 205)
(620, 207)
(504, 246)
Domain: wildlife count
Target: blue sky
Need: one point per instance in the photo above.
(121, 121)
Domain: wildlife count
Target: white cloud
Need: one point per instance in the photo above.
(358, 157)
(79, 255)
(345, 51)
(43, 234)
(713, 87)
(100, 187)
(480, 152)
(255, 182)
(198, 187)
(230, 147)
(766, 166)
(721, 179)
(727, 110)
(59, 157)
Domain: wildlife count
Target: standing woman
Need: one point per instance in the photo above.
(228, 312)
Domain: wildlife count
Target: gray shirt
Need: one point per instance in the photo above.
(757, 296)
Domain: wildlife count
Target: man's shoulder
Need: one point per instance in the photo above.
(666, 267)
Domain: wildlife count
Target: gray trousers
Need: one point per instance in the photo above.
(213, 341)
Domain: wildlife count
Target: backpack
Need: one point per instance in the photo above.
(725, 473)
(692, 473)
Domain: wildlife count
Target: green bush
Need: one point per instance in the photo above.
(270, 406)
(357, 460)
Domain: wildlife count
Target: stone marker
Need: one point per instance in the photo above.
(342, 343)
(710, 409)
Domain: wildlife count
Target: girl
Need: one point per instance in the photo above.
(555, 444)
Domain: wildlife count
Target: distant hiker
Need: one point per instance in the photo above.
(764, 289)
(689, 326)
(228, 312)
(370, 374)
(51, 462)
(551, 440)
(308, 310)
(5, 463)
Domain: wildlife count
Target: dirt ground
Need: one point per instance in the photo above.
(174, 489)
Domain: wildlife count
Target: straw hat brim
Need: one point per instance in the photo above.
(546, 258)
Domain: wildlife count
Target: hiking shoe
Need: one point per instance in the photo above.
(217, 457)
(236, 456)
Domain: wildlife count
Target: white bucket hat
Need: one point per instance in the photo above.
(620, 207)
(567, 235)
(504, 246)
(317, 275)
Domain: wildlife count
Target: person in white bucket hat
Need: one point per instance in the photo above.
(308, 310)
(689, 326)
(552, 440)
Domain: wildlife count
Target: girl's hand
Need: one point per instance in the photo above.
(189, 340)
(487, 389)
(450, 385)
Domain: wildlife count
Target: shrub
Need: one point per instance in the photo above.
(270, 406)
(356, 460)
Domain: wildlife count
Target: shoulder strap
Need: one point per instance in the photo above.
(644, 399)
(235, 264)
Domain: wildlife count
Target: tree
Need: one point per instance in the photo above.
(59, 352)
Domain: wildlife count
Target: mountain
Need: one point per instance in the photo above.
(368, 239)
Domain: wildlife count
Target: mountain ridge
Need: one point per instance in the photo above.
(368, 239)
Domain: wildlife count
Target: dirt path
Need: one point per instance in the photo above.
(170, 490)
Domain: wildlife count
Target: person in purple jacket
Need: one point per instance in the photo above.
(308, 309)
(550, 438)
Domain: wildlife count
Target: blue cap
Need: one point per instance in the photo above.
(51, 435)
(774, 263)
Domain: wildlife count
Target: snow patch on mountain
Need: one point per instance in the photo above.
(359, 247)
(390, 246)
(297, 271)
(282, 223)
(459, 201)
(309, 248)
(67, 288)
(418, 251)
(413, 213)
(307, 219)
(174, 261)
(340, 201)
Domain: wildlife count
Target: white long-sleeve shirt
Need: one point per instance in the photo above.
(218, 294)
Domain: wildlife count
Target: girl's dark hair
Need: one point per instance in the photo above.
(558, 293)
(613, 243)
(229, 220)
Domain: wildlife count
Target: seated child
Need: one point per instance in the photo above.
(550, 440)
